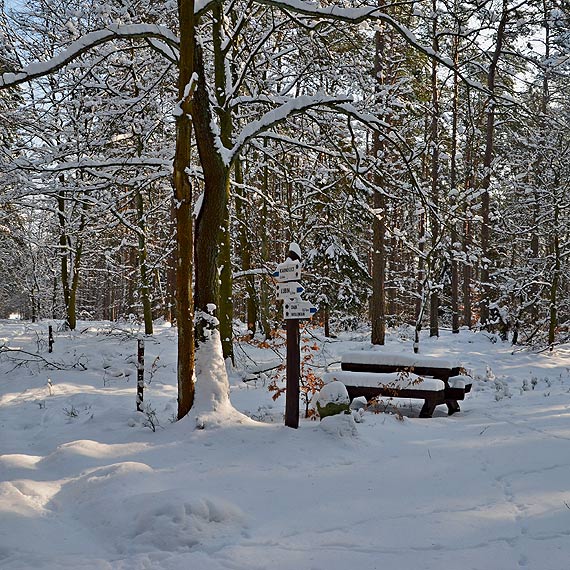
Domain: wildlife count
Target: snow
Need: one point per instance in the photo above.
(333, 392)
(84, 484)
(459, 381)
(395, 359)
(212, 404)
(295, 249)
(393, 380)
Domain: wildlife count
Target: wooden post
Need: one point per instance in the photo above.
(140, 375)
(294, 309)
(50, 338)
(293, 374)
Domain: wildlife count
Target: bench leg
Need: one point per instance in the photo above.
(452, 407)
(428, 409)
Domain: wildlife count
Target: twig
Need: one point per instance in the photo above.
(262, 371)
(38, 358)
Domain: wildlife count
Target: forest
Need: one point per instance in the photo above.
(158, 158)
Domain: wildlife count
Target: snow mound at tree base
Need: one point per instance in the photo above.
(212, 406)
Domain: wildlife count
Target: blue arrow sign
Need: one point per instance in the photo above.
(295, 309)
(289, 290)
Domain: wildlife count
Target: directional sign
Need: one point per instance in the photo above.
(289, 290)
(288, 271)
(298, 310)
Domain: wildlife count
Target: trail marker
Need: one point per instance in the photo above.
(289, 291)
(298, 310)
(288, 271)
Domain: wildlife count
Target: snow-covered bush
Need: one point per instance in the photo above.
(333, 399)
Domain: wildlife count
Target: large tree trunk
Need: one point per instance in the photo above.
(183, 212)
(210, 218)
(212, 390)
(213, 290)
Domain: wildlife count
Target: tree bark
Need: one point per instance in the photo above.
(487, 163)
(264, 289)
(225, 301)
(434, 221)
(210, 218)
(142, 262)
(553, 316)
(467, 238)
(453, 250)
(245, 249)
(183, 212)
(63, 247)
(72, 307)
(378, 301)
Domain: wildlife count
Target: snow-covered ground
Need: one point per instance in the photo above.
(85, 484)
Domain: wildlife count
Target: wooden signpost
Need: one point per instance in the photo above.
(289, 291)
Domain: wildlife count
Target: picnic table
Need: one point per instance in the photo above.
(373, 373)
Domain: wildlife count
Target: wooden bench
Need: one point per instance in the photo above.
(371, 373)
(392, 385)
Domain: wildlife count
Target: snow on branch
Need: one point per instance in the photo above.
(361, 14)
(84, 44)
(353, 15)
(250, 272)
(149, 161)
(279, 114)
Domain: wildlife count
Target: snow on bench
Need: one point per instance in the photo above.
(395, 359)
(460, 382)
(397, 380)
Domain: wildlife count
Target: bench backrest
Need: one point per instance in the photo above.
(382, 362)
